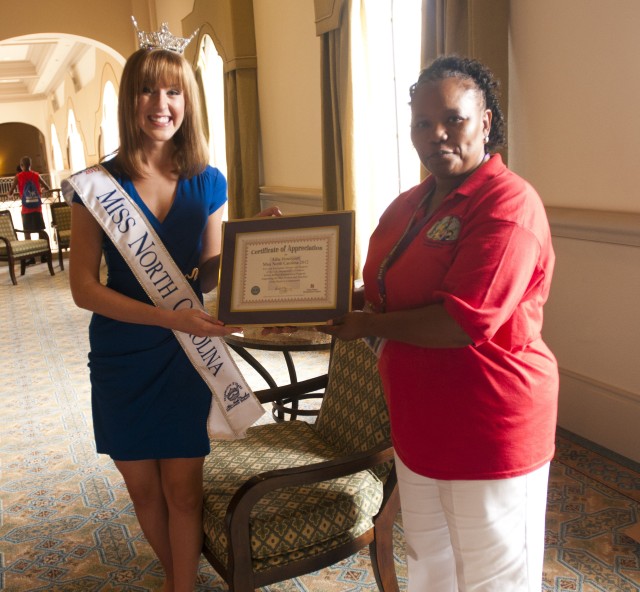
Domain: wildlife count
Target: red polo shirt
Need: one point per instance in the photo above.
(488, 410)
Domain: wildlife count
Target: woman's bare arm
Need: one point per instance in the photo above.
(429, 326)
(89, 293)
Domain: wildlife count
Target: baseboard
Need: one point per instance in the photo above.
(600, 412)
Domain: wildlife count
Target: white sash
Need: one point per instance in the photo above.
(234, 407)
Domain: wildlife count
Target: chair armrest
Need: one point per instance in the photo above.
(293, 391)
(259, 485)
(41, 233)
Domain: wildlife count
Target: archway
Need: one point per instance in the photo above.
(42, 76)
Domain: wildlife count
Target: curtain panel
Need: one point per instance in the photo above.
(337, 119)
(336, 122)
(230, 25)
(359, 133)
(474, 28)
(243, 138)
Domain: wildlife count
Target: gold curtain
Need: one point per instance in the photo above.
(242, 133)
(205, 116)
(230, 25)
(338, 129)
(336, 123)
(474, 28)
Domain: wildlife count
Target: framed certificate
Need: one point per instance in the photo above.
(289, 270)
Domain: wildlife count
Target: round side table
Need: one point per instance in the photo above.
(303, 340)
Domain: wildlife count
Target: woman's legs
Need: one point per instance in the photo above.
(182, 483)
(142, 478)
(493, 528)
(497, 531)
(430, 559)
(167, 497)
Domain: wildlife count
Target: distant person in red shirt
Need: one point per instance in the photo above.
(29, 184)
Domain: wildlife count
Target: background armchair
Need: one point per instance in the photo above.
(12, 249)
(61, 222)
(293, 497)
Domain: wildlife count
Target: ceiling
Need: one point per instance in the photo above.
(32, 67)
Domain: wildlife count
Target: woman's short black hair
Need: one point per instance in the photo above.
(469, 69)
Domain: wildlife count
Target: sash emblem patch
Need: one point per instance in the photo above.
(234, 395)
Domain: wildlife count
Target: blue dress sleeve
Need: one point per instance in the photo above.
(216, 188)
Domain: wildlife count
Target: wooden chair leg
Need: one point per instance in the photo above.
(12, 273)
(23, 266)
(381, 548)
(50, 263)
(60, 259)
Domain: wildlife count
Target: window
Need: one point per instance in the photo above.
(211, 77)
(109, 135)
(75, 147)
(406, 29)
(210, 68)
(58, 162)
(385, 61)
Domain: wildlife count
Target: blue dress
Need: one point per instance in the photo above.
(148, 402)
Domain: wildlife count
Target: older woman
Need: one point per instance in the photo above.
(457, 273)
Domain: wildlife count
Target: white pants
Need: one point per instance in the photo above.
(474, 536)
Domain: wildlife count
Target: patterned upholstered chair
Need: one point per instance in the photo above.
(12, 249)
(61, 222)
(294, 497)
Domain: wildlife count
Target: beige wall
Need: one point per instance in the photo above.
(575, 134)
(172, 12)
(289, 93)
(575, 77)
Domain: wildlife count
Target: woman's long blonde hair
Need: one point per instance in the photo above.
(147, 68)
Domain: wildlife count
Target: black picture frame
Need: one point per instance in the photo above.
(276, 233)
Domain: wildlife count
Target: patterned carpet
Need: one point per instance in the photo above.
(66, 522)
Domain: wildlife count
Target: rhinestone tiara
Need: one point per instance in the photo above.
(161, 39)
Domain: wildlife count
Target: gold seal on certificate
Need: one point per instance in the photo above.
(289, 270)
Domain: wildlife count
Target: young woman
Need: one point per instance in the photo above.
(149, 404)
